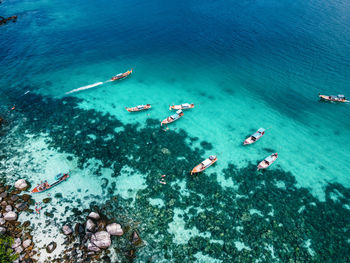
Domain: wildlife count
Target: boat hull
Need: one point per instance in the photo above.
(123, 76)
(38, 190)
(180, 107)
(327, 98)
(264, 165)
(135, 109)
(170, 120)
(199, 168)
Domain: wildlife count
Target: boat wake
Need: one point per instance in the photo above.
(85, 87)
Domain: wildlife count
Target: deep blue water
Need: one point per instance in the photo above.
(246, 64)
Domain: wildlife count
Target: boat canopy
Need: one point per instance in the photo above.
(174, 116)
(261, 130)
(140, 107)
(341, 96)
(206, 162)
(185, 105)
(179, 111)
(269, 159)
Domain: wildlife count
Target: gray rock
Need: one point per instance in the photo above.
(92, 247)
(19, 249)
(16, 243)
(101, 239)
(10, 216)
(2, 221)
(26, 243)
(21, 206)
(67, 230)
(8, 208)
(94, 215)
(90, 225)
(115, 229)
(21, 184)
(2, 230)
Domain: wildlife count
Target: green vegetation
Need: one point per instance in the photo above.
(5, 250)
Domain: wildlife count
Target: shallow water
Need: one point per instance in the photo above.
(244, 64)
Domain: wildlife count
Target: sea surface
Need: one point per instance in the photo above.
(244, 64)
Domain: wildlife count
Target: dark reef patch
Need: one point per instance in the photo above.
(256, 212)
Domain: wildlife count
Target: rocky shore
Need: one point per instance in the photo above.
(94, 240)
(13, 202)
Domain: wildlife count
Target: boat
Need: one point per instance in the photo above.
(254, 137)
(173, 117)
(267, 161)
(205, 164)
(139, 108)
(183, 106)
(333, 98)
(121, 75)
(46, 186)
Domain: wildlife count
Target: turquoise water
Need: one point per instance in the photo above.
(245, 65)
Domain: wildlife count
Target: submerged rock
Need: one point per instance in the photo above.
(51, 247)
(21, 184)
(67, 230)
(101, 239)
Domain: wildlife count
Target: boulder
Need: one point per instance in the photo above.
(101, 239)
(115, 229)
(51, 247)
(2, 230)
(21, 184)
(14, 198)
(92, 247)
(19, 249)
(67, 230)
(2, 221)
(26, 243)
(90, 225)
(8, 208)
(10, 216)
(16, 243)
(94, 215)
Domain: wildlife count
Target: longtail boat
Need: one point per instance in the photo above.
(183, 106)
(333, 98)
(121, 75)
(254, 137)
(205, 164)
(139, 108)
(173, 117)
(267, 161)
(46, 186)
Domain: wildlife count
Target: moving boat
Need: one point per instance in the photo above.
(173, 117)
(139, 108)
(121, 75)
(268, 161)
(183, 106)
(46, 186)
(333, 98)
(205, 164)
(254, 137)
